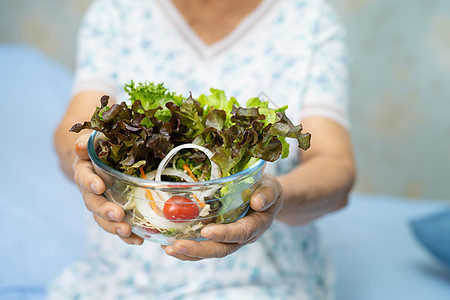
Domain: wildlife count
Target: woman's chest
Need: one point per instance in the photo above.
(273, 56)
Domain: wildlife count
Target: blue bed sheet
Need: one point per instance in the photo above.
(376, 253)
(42, 224)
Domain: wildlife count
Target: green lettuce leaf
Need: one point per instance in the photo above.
(218, 100)
(152, 96)
(141, 134)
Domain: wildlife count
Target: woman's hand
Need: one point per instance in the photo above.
(107, 214)
(225, 239)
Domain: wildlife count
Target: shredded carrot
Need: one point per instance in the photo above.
(148, 192)
(200, 203)
(142, 172)
(152, 202)
(186, 168)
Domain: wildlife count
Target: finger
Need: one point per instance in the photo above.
(85, 177)
(266, 194)
(101, 207)
(81, 147)
(133, 239)
(122, 229)
(243, 231)
(171, 251)
(202, 249)
(118, 228)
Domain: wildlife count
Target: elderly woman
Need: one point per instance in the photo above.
(294, 51)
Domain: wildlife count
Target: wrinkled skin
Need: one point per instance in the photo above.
(223, 239)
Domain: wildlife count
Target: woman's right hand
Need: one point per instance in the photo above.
(107, 214)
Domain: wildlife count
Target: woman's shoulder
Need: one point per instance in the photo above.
(119, 6)
(318, 16)
(314, 7)
(119, 12)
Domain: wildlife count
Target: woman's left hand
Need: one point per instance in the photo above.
(224, 239)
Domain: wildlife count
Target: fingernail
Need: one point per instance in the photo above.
(181, 250)
(136, 242)
(80, 145)
(112, 215)
(94, 187)
(169, 250)
(208, 233)
(262, 200)
(120, 232)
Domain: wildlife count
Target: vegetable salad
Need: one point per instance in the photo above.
(163, 136)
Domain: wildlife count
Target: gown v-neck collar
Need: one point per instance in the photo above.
(226, 42)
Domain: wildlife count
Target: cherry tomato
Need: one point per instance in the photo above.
(180, 209)
(146, 231)
(149, 229)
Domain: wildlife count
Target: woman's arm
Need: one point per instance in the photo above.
(72, 151)
(80, 109)
(319, 185)
(322, 182)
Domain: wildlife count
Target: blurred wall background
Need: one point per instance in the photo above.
(400, 82)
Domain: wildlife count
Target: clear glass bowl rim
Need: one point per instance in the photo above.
(152, 183)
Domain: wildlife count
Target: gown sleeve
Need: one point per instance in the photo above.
(326, 93)
(98, 49)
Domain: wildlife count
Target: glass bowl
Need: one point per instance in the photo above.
(148, 210)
